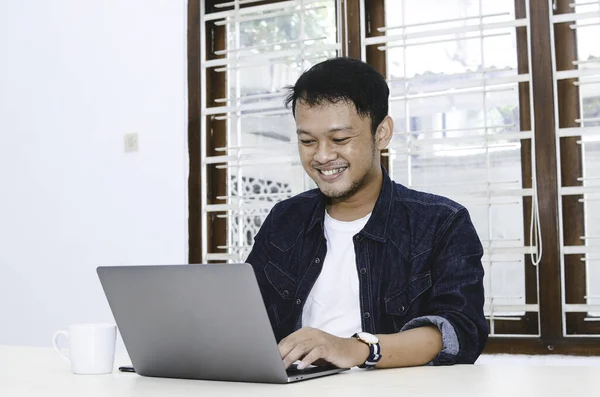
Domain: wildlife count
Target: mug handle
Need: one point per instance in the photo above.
(55, 343)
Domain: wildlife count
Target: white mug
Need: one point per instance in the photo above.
(91, 347)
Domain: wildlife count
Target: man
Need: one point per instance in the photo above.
(363, 271)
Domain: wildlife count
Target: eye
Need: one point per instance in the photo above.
(307, 141)
(340, 140)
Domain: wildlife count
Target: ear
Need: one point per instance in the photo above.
(384, 132)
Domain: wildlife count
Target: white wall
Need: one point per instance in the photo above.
(74, 77)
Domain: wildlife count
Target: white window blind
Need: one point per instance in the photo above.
(267, 48)
(584, 20)
(452, 71)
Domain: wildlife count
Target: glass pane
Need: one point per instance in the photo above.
(457, 123)
(459, 56)
(268, 51)
(587, 30)
(444, 13)
(500, 10)
(591, 152)
(503, 288)
(500, 50)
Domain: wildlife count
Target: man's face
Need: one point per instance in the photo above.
(337, 148)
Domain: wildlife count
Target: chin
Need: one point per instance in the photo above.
(334, 193)
(340, 193)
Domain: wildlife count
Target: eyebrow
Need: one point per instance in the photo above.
(331, 130)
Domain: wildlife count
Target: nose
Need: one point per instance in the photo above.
(324, 153)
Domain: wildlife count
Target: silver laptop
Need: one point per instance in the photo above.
(197, 322)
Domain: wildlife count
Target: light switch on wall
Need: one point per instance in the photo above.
(132, 143)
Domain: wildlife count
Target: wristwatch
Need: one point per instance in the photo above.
(374, 348)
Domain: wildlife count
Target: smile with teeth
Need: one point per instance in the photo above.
(332, 172)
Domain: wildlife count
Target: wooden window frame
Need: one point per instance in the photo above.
(551, 340)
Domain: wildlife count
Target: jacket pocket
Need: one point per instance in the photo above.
(283, 292)
(399, 302)
(282, 282)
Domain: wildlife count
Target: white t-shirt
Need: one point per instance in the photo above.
(333, 304)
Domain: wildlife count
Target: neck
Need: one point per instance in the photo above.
(361, 203)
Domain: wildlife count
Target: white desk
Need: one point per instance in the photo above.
(28, 371)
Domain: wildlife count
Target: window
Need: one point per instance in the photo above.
(477, 120)
(267, 47)
(453, 73)
(577, 83)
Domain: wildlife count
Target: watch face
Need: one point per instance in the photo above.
(367, 337)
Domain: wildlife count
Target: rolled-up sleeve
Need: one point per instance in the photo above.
(457, 296)
(450, 344)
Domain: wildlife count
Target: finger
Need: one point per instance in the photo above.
(287, 345)
(289, 342)
(317, 353)
(298, 352)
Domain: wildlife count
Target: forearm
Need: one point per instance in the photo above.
(414, 347)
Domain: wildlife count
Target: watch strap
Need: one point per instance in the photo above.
(374, 353)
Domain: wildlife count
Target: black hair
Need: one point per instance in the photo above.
(343, 80)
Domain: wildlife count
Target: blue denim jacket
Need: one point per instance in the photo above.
(418, 260)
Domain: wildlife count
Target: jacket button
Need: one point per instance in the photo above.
(367, 315)
(298, 301)
(401, 308)
(317, 261)
(286, 293)
(359, 237)
(363, 271)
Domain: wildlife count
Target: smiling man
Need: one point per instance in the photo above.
(364, 271)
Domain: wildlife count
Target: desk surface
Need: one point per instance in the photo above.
(26, 371)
